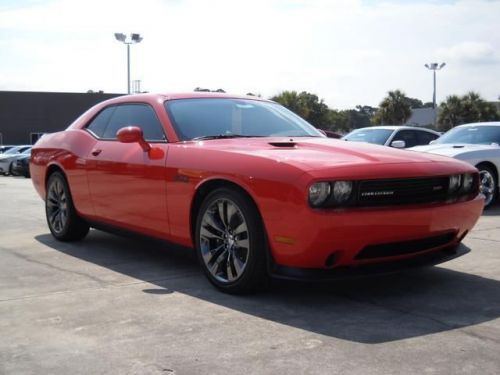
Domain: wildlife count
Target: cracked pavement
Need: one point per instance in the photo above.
(130, 306)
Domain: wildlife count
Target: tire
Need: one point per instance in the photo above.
(488, 184)
(230, 242)
(11, 169)
(62, 218)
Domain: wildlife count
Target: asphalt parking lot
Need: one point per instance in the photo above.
(116, 305)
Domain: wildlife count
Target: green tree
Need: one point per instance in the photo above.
(450, 113)
(360, 117)
(291, 100)
(339, 121)
(414, 103)
(393, 110)
(468, 108)
(366, 110)
(306, 105)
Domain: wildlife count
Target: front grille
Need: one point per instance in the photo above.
(403, 191)
(405, 247)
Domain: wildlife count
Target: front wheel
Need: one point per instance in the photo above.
(488, 184)
(230, 242)
(62, 218)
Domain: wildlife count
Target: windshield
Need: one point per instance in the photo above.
(484, 135)
(376, 136)
(13, 150)
(221, 117)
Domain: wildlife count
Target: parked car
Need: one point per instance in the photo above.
(21, 166)
(5, 148)
(477, 144)
(8, 158)
(255, 189)
(394, 136)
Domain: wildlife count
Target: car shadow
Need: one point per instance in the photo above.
(371, 310)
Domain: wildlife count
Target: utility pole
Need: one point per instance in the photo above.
(434, 67)
(128, 40)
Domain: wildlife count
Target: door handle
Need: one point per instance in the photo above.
(96, 152)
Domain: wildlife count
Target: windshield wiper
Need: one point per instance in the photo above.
(223, 136)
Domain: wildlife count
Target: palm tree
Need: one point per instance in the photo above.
(394, 109)
(468, 108)
(450, 113)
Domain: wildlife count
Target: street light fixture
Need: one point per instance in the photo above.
(128, 40)
(434, 67)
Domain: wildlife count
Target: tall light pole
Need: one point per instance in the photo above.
(128, 40)
(434, 67)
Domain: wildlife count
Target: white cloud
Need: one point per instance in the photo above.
(348, 52)
(470, 53)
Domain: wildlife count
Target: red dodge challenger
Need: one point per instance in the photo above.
(255, 189)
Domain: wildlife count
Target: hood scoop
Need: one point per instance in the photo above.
(458, 146)
(290, 144)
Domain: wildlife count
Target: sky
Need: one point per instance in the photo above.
(348, 52)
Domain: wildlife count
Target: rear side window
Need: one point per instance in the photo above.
(424, 138)
(409, 136)
(99, 123)
(140, 115)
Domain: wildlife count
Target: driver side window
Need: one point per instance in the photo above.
(140, 115)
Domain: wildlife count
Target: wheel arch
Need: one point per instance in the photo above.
(205, 188)
(51, 169)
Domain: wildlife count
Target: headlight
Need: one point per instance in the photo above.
(467, 181)
(342, 191)
(319, 193)
(454, 183)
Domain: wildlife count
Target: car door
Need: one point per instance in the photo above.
(127, 185)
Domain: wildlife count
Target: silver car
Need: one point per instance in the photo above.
(477, 144)
(8, 158)
(394, 136)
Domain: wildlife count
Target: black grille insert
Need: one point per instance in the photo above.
(405, 247)
(403, 191)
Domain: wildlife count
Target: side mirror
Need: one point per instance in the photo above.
(398, 144)
(133, 134)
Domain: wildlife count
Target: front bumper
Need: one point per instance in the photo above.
(327, 239)
(350, 272)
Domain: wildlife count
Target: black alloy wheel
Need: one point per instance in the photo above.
(62, 218)
(230, 242)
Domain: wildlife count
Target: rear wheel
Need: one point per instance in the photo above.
(62, 218)
(488, 184)
(230, 242)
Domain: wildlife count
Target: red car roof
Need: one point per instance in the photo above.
(186, 95)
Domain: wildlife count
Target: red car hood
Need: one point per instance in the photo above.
(318, 153)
